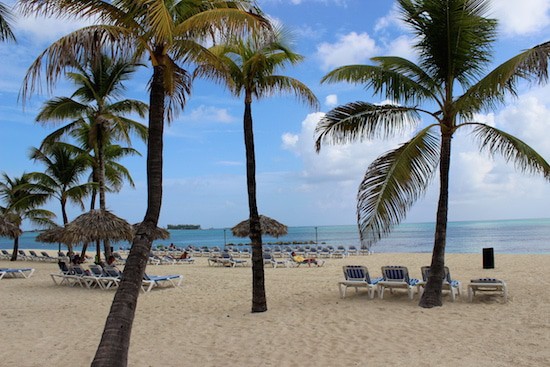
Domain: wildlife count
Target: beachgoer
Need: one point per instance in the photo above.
(301, 259)
(185, 255)
(76, 260)
(111, 261)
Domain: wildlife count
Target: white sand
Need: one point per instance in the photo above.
(208, 321)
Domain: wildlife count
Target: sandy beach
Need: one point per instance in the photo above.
(207, 322)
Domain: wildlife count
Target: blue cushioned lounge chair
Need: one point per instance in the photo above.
(357, 276)
(16, 272)
(397, 277)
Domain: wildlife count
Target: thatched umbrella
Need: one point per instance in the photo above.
(268, 225)
(8, 229)
(158, 233)
(96, 226)
(53, 235)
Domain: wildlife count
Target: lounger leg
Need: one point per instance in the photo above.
(381, 291)
(505, 292)
(342, 288)
(470, 294)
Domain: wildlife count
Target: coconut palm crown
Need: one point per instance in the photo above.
(454, 49)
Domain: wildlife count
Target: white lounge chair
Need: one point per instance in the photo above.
(357, 276)
(16, 272)
(397, 277)
(487, 285)
(150, 281)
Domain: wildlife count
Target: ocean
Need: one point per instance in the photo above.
(525, 236)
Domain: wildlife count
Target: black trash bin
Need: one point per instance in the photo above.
(488, 258)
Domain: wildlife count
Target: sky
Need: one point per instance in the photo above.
(204, 156)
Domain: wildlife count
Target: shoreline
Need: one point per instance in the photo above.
(208, 322)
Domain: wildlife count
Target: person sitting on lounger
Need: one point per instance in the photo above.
(300, 259)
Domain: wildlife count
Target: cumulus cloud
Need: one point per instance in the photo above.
(521, 17)
(351, 48)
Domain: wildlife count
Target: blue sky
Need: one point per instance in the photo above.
(204, 170)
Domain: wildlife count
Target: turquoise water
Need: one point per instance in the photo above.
(527, 236)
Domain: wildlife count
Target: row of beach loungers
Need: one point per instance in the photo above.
(276, 251)
(107, 277)
(397, 277)
(31, 255)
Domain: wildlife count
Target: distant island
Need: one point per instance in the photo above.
(183, 226)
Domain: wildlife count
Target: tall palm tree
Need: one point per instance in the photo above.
(21, 200)
(249, 67)
(454, 40)
(94, 110)
(166, 32)
(6, 16)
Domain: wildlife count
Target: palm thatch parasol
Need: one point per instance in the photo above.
(158, 233)
(98, 225)
(8, 229)
(269, 227)
(53, 235)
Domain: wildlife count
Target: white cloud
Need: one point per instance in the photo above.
(352, 48)
(521, 17)
(209, 114)
(401, 46)
(331, 100)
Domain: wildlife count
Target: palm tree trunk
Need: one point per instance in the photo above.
(101, 178)
(15, 249)
(65, 220)
(259, 302)
(115, 341)
(432, 293)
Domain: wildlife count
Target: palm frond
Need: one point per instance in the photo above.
(273, 84)
(61, 108)
(359, 121)
(6, 18)
(530, 65)
(387, 82)
(512, 149)
(392, 183)
(75, 48)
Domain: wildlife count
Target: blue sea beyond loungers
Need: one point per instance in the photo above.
(526, 236)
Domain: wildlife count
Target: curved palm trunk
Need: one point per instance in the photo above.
(115, 341)
(15, 249)
(259, 302)
(432, 293)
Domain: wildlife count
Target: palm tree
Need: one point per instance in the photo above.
(65, 166)
(96, 116)
(166, 32)
(21, 198)
(454, 39)
(6, 33)
(249, 67)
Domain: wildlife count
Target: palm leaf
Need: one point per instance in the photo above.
(512, 149)
(5, 18)
(392, 183)
(359, 121)
(530, 65)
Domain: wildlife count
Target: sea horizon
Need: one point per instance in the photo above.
(528, 236)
